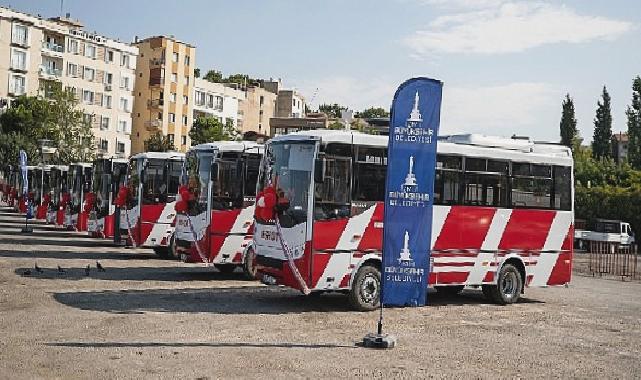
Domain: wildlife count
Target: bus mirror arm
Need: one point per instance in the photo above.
(319, 170)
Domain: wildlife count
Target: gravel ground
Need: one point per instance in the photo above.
(151, 318)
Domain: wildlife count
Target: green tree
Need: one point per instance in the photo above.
(214, 76)
(57, 118)
(569, 133)
(159, 143)
(372, 112)
(336, 125)
(197, 72)
(332, 110)
(602, 140)
(209, 129)
(634, 125)
(361, 126)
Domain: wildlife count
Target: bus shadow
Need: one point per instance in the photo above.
(195, 344)
(42, 239)
(75, 255)
(47, 232)
(163, 274)
(254, 299)
(467, 297)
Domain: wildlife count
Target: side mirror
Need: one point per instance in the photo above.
(319, 170)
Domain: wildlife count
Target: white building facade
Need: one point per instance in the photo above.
(216, 100)
(38, 54)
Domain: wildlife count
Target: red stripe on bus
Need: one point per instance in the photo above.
(527, 229)
(465, 227)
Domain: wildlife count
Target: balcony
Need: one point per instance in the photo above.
(50, 72)
(153, 125)
(53, 48)
(155, 103)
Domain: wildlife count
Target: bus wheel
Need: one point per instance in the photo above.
(509, 287)
(173, 252)
(366, 289)
(162, 252)
(249, 265)
(225, 268)
(451, 290)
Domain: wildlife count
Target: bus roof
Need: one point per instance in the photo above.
(82, 164)
(231, 146)
(474, 145)
(160, 155)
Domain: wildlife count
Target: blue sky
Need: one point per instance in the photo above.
(506, 65)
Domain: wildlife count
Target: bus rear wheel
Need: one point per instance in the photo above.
(162, 252)
(365, 294)
(249, 265)
(509, 286)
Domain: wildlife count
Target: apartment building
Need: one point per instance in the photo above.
(164, 89)
(217, 100)
(290, 103)
(37, 54)
(256, 109)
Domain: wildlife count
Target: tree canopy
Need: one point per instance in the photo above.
(633, 114)
(372, 112)
(209, 129)
(159, 143)
(56, 118)
(569, 132)
(602, 140)
(332, 110)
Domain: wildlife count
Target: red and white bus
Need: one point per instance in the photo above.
(60, 197)
(22, 202)
(79, 179)
(109, 175)
(215, 222)
(502, 216)
(10, 192)
(41, 191)
(148, 217)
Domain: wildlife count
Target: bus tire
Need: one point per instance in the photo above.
(249, 264)
(450, 290)
(508, 288)
(173, 252)
(162, 252)
(225, 268)
(366, 289)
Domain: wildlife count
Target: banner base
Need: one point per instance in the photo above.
(26, 230)
(380, 341)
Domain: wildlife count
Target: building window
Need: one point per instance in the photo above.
(72, 70)
(159, 115)
(170, 137)
(104, 145)
(186, 60)
(89, 74)
(87, 118)
(219, 103)
(185, 99)
(172, 117)
(121, 147)
(87, 96)
(124, 60)
(109, 57)
(172, 97)
(18, 84)
(90, 51)
(200, 98)
(262, 100)
(174, 77)
(106, 101)
(122, 125)
(124, 104)
(184, 140)
(186, 80)
(185, 120)
(20, 35)
(18, 59)
(210, 101)
(72, 47)
(125, 82)
(104, 123)
(175, 57)
(109, 78)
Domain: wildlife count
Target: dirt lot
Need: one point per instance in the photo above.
(151, 318)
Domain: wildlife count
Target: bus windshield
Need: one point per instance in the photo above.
(101, 186)
(227, 186)
(160, 182)
(288, 166)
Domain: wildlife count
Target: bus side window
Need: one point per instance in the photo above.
(447, 181)
(485, 182)
(562, 188)
(531, 186)
(332, 196)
